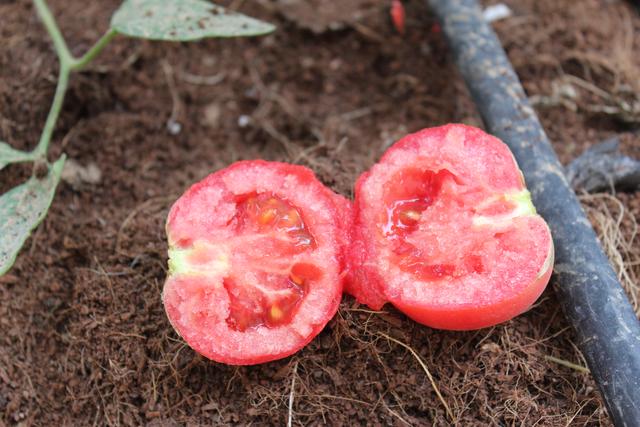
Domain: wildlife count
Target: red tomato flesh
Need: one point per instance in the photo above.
(256, 261)
(445, 230)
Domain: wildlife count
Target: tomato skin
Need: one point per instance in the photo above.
(398, 15)
(476, 317)
(231, 357)
(363, 280)
(207, 255)
(458, 266)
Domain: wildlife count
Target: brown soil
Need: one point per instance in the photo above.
(85, 339)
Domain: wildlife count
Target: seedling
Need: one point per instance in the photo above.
(25, 206)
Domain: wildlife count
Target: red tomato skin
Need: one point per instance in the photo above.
(241, 360)
(363, 280)
(368, 283)
(398, 15)
(478, 317)
(328, 215)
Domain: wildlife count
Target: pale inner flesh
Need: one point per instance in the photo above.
(265, 276)
(436, 225)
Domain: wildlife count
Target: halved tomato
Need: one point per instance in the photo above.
(446, 231)
(255, 261)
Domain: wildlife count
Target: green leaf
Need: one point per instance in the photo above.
(21, 209)
(11, 155)
(183, 20)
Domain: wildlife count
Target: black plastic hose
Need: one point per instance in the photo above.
(592, 298)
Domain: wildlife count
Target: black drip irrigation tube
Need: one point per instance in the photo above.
(592, 298)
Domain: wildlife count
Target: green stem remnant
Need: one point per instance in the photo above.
(82, 62)
(568, 364)
(52, 28)
(68, 64)
(54, 112)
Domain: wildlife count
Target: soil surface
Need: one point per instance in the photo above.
(85, 340)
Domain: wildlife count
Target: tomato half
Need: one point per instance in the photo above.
(446, 231)
(255, 261)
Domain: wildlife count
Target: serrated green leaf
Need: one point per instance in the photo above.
(21, 210)
(183, 20)
(9, 154)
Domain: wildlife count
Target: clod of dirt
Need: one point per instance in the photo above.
(212, 115)
(602, 167)
(78, 176)
(320, 16)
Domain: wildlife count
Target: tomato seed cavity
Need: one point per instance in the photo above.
(264, 213)
(406, 196)
(273, 301)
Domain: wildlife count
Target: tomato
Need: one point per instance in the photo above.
(256, 264)
(397, 15)
(446, 231)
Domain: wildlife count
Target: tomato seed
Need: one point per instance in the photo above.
(409, 217)
(267, 216)
(296, 279)
(275, 313)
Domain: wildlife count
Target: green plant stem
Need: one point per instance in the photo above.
(81, 62)
(54, 112)
(568, 364)
(68, 64)
(52, 28)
